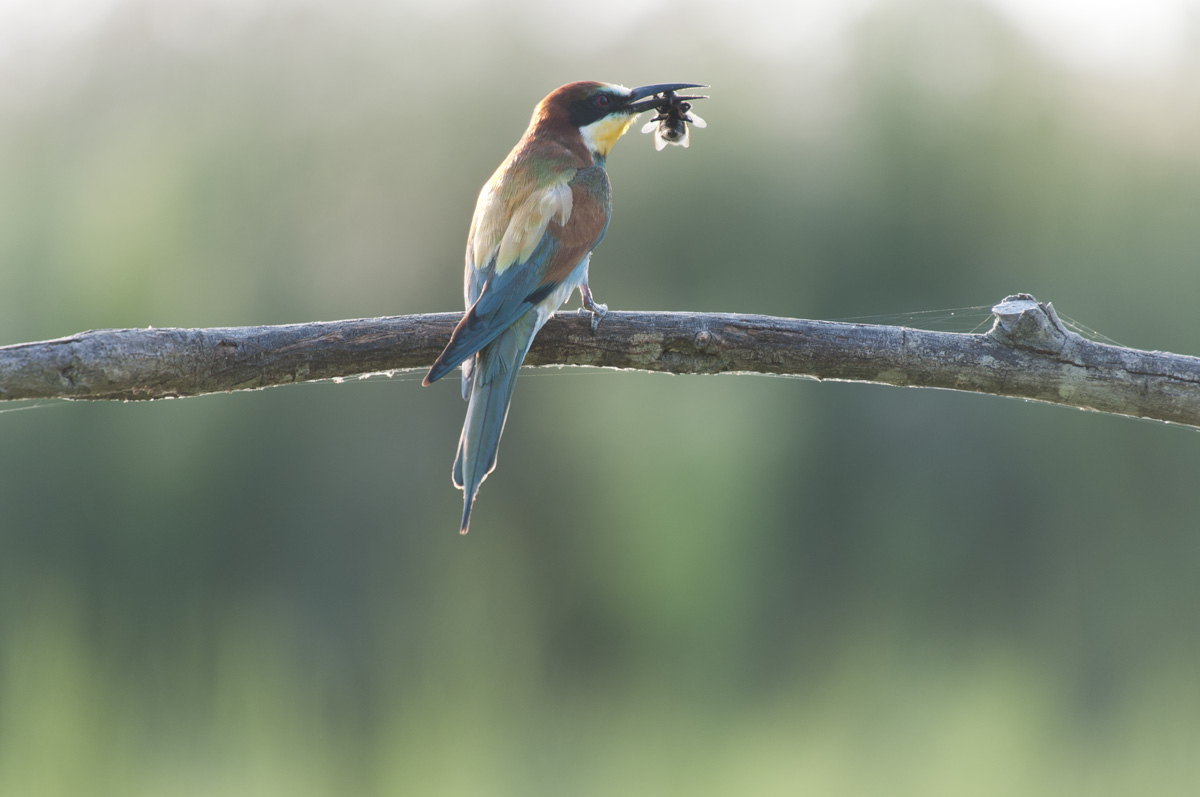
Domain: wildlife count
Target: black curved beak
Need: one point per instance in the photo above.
(651, 92)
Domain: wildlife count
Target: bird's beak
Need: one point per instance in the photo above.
(644, 92)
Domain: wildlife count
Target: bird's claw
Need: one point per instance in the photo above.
(592, 306)
(597, 310)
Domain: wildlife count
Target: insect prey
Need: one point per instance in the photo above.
(670, 126)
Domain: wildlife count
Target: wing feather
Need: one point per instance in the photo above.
(550, 231)
(529, 223)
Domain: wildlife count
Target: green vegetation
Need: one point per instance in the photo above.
(726, 585)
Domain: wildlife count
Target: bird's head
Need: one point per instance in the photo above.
(600, 112)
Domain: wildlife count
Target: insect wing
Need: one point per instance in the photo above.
(696, 120)
(646, 128)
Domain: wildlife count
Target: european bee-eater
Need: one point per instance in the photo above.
(536, 223)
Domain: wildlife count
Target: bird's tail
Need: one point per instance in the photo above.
(492, 377)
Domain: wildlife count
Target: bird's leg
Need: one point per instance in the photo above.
(597, 310)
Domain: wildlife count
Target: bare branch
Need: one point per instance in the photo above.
(1028, 354)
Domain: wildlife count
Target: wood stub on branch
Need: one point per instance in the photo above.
(1028, 354)
(1066, 368)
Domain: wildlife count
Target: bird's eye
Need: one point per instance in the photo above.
(601, 100)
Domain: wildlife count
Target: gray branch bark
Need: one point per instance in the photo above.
(1027, 354)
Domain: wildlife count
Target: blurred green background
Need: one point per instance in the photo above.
(702, 586)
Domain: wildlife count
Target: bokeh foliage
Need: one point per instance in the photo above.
(725, 585)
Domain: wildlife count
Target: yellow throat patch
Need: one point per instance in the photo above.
(602, 134)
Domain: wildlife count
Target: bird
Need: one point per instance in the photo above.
(535, 225)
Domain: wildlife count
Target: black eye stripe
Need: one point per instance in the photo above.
(591, 109)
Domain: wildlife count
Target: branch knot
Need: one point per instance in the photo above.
(1022, 320)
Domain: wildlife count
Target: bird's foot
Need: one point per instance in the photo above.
(592, 306)
(597, 311)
